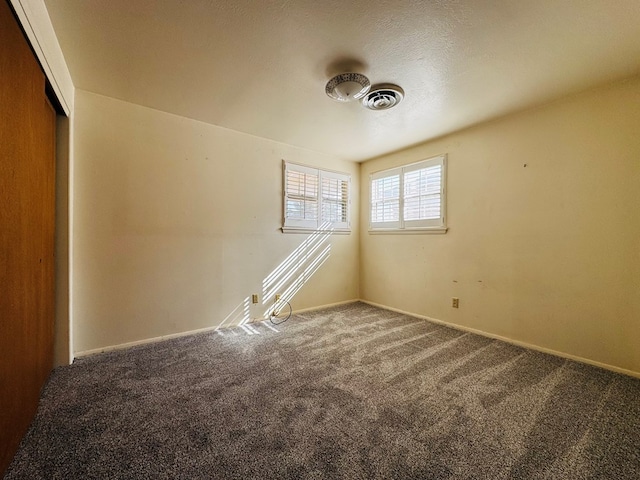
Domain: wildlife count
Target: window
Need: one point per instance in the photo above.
(409, 198)
(315, 198)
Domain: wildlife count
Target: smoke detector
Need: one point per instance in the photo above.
(383, 97)
(347, 87)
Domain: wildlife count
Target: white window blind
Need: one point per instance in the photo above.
(335, 194)
(315, 198)
(385, 200)
(411, 197)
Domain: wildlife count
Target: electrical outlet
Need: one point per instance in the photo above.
(278, 296)
(455, 302)
(254, 298)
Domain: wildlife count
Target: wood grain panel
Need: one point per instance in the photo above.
(27, 215)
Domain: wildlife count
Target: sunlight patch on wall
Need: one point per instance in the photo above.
(238, 316)
(285, 280)
(295, 271)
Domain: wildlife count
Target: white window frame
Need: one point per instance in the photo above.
(290, 225)
(437, 225)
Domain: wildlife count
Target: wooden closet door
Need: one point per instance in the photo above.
(27, 206)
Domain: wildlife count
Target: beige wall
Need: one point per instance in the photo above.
(62, 352)
(548, 253)
(176, 223)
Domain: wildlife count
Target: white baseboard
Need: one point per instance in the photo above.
(518, 343)
(161, 338)
(328, 305)
(122, 346)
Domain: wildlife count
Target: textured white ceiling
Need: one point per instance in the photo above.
(260, 67)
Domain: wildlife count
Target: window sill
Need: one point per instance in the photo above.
(409, 231)
(330, 231)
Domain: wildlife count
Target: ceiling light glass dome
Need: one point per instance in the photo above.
(347, 87)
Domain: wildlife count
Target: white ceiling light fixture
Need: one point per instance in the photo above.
(383, 97)
(347, 87)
